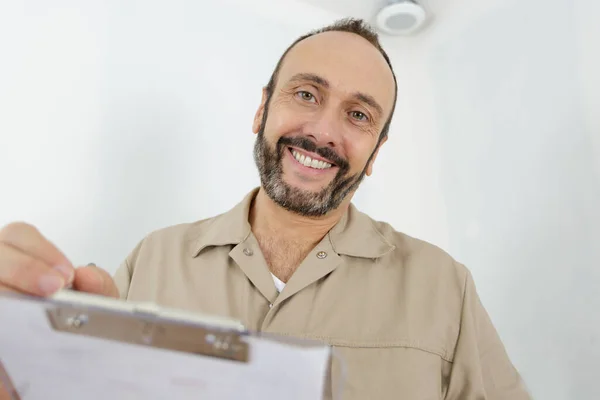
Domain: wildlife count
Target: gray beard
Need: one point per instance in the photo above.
(302, 202)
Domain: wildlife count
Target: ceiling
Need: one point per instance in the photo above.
(443, 17)
(367, 9)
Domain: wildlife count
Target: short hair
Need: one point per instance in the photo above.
(351, 25)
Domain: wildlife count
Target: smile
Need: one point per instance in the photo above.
(308, 161)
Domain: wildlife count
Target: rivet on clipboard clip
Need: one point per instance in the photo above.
(77, 321)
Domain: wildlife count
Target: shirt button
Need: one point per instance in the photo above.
(248, 251)
(270, 305)
(321, 255)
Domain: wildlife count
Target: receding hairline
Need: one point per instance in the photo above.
(316, 36)
(347, 25)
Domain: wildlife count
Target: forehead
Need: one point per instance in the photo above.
(346, 60)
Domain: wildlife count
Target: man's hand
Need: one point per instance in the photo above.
(30, 264)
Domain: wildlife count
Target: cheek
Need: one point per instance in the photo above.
(282, 122)
(359, 152)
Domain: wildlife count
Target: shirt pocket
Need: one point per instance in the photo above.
(386, 372)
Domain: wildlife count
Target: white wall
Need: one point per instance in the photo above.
(120, 117)
(515, 92)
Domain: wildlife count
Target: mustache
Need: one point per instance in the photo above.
(308, 145)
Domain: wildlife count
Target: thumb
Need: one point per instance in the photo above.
(91, 279)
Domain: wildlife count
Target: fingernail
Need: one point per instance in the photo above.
(67, 272)
(50, 283)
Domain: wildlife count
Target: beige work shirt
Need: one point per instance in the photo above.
(404, 316)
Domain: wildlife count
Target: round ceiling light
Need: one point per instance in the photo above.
(400, 17)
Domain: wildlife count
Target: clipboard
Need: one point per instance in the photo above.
(80, 346)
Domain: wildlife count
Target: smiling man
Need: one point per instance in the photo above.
(295, 257)
(319, 129)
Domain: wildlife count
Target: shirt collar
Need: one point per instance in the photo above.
(231, 227)
(357, 235)
(354, 235)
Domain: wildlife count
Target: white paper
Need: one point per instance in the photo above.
(45, 364)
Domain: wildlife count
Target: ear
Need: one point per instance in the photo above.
(370, 166)
(258, 117)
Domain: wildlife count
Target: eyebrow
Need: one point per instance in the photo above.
(359, 96)
(312, 78)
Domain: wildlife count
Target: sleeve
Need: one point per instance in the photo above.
(122, 278)
(481, 368)
(124, 274)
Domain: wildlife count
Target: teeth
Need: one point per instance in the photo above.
(309, 162)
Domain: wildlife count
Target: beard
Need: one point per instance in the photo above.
(303, 202)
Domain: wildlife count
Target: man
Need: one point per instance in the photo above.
(295, 257)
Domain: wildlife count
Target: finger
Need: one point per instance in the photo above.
(4, 394)
(29, 240)
(6, 289)
(27, 274)
(92, 279)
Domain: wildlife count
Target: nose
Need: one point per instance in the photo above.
(326, 128)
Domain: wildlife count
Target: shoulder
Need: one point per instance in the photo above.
(427, 284)
(421, 258)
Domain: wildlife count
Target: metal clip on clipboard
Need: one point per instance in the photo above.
(151, 326)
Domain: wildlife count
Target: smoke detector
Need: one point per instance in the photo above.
(400, 17)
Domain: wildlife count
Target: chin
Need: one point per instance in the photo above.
(307, 187)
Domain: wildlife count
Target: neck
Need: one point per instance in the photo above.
(270, 219)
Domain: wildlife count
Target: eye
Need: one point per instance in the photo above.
(359, 116)
(306, 96)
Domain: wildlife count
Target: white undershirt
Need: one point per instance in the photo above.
(279, 285)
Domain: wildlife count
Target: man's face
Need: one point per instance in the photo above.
(318, 134)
